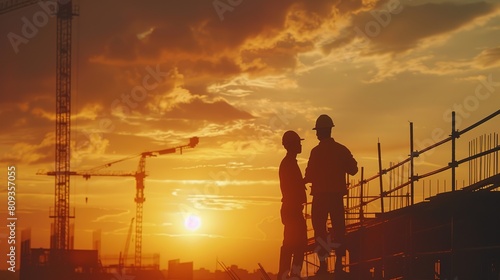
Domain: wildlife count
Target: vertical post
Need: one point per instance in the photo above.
(361, 184)
(412, 185)
(453, 162)
(470, 163)
(453, 166)
(496, 154)
(347, 203)
(380, 172)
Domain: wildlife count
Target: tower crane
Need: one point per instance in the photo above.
(139, 176)
(60, 241)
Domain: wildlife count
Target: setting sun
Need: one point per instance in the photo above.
(192, 222)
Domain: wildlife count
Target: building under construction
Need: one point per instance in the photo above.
(448, 234)
(452, 236)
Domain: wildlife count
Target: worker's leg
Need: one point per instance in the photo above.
(286, 250)
(338, 227)
(284, 264)
(337, 214)
(319, 215)
(300, 232)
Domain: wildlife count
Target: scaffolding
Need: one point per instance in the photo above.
(407, 229)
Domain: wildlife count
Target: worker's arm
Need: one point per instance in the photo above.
(309, 173)
(351, 164)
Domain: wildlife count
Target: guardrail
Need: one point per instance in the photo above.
(483, 159)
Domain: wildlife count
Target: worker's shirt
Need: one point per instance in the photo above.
(328, 165)
(292, 184)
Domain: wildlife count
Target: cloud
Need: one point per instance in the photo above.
(269, 227)
(275, 57)
(255, 34)
(407, 29)
(191, 235)
(488, 58)
(255, 41)
(217, 202)
(431, 65)
(217, 110)
(33, 151)
(187, 29)
(397, 43)
(22, 152)
(180, 103)
(93, 146)
(394, 27)
(243, 85)
(207, 66)
(116, 213)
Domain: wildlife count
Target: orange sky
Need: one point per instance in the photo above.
(151, 74)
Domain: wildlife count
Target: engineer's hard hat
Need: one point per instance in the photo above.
(290, 137)
(323, 121)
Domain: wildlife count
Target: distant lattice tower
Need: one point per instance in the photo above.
(61, 240)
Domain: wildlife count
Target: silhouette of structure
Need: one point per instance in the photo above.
(139, 176)
(39, 261)
(180, 271)
(61, 239)
(447, 234)
(123, 257)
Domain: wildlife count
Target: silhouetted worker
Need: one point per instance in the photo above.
(293, 191)
(328, 165)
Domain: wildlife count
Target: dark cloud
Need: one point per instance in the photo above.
(192, 28)
(218, 111)
(186, 34)
(406, 26)
(123, 47)
(280, 56)
(115, 41)
(217, 69)
(349, 6)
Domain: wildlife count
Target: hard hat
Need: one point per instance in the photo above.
(324, 121)
(290, 137)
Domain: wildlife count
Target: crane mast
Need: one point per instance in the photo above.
(61, 238)
(61, 215)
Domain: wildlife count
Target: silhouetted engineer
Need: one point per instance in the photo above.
(293, 191)
(328, 165)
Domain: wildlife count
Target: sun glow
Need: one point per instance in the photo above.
(192, 222)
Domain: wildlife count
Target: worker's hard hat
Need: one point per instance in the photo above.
(290, 137)
(323, 121)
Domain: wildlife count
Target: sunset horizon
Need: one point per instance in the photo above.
(235, 75)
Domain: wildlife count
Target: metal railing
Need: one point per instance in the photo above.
(482, 159)
(362, 203)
